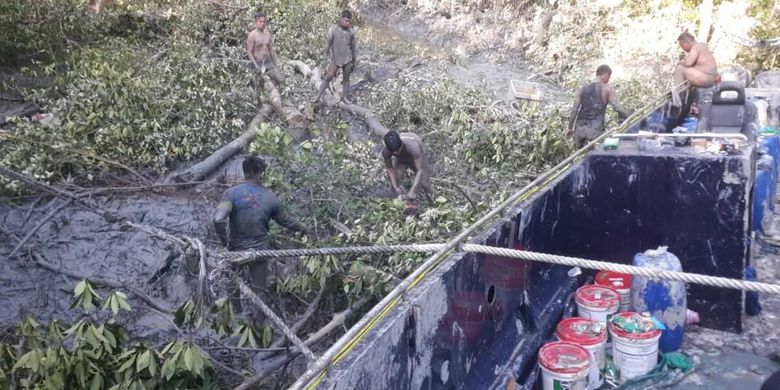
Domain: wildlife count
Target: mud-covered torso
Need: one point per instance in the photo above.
(253, 207)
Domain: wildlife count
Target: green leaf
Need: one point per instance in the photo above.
(168, 369)
(267, 336)
(80, 288)
(188, 358)
(143, 360)
(96, 383)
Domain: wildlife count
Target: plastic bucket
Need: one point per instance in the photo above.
(618, 282)
(592, 336)
(634, 354)
(564, 366)
(597, 302)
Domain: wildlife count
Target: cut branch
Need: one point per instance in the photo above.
(39, 225)
(103, 282)
(372, 121)
(245, 290)
(274, 364)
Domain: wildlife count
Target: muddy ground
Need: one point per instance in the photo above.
(80, 240)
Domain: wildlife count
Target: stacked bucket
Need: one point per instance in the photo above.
(607, 338)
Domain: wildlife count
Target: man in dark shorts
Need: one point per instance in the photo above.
(587, 114)
(341, 48)
(247, 208)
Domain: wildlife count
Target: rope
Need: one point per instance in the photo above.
(650, 272)
(251, 256)
(275, 319)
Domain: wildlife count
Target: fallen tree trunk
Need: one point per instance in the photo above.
(203, 168)
(372, 121)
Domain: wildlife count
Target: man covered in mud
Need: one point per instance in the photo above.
(248, 208)
(404, 151)
(259, 47)
(590, 106)
(341, 48)
(698, 66)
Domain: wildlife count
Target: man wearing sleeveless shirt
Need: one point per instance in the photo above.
(341, 48)
(587, 115)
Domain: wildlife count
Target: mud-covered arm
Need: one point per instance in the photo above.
(250, 47)
(575, 110)
(220, 219)
(353, 47)
(273, 52)
(418, 167)
(282, 217)
(329, 42)
(388, 158)
(612, 98)
(690, 59)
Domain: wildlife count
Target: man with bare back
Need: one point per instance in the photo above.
(404, 151)
(698, 66)
(259, 47)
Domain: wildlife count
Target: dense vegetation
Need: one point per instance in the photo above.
(145, 86)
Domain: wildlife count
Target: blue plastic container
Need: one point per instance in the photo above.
(752, 304)
(772, 145)
(763, 190)
(690, 124)
(665, 300)
(770, 163)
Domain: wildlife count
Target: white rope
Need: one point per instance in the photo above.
(650, 272)
(240, 258)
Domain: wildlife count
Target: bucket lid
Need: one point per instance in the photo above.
(581, 331)
(650, 332)
(615, 280)
(597, 296)
(564, 358)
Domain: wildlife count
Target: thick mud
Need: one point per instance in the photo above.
(81, 241)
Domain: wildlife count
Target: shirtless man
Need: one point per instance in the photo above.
(698, 66)
(587, 114)
(341, 48)
(405, 151)
(259, 47)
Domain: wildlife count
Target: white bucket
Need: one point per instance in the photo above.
(618, 282)
(597, 302)
(634, 354)
(564, 366)
(588, 334)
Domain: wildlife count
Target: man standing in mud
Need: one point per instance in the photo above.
(259, 47)
(587, 114)
(404, 151)
(698, 66)
(342, 51)
(248, 207)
